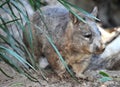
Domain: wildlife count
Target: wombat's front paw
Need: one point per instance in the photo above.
(64, 76)
(81, 76)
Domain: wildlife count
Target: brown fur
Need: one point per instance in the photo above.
(75, 40)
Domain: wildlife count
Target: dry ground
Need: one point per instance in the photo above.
(21, 81)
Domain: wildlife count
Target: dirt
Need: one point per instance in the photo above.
(19, 80)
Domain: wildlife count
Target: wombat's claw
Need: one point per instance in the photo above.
(63, 76)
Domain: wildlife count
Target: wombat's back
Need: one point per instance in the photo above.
(55, 18)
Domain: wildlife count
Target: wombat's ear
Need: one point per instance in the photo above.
(95, 11)
(73, 18)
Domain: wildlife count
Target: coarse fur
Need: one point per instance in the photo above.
(75, 40)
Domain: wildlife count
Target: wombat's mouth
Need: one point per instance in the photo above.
(99, 51)
(96, 49)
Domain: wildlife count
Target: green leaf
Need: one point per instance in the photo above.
(10, 62)
(37, 4)
(5, 73)
(17, 85)
(22, 60)
(15, 47)
(69, 8)
(18, 7)
(104, 74)
(82, 11)
(105, 79)
(4, 3)
(11, 21)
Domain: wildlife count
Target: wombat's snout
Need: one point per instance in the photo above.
(100, 49)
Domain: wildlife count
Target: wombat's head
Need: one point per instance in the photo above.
(84, 37)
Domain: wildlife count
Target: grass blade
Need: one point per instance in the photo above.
(22, 60)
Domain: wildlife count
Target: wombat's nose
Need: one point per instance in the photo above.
(100, 49)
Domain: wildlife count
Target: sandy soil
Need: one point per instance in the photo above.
(19, 80)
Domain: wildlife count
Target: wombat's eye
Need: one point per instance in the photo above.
(87, 35)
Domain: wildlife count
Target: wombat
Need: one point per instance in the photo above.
(75, 40)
